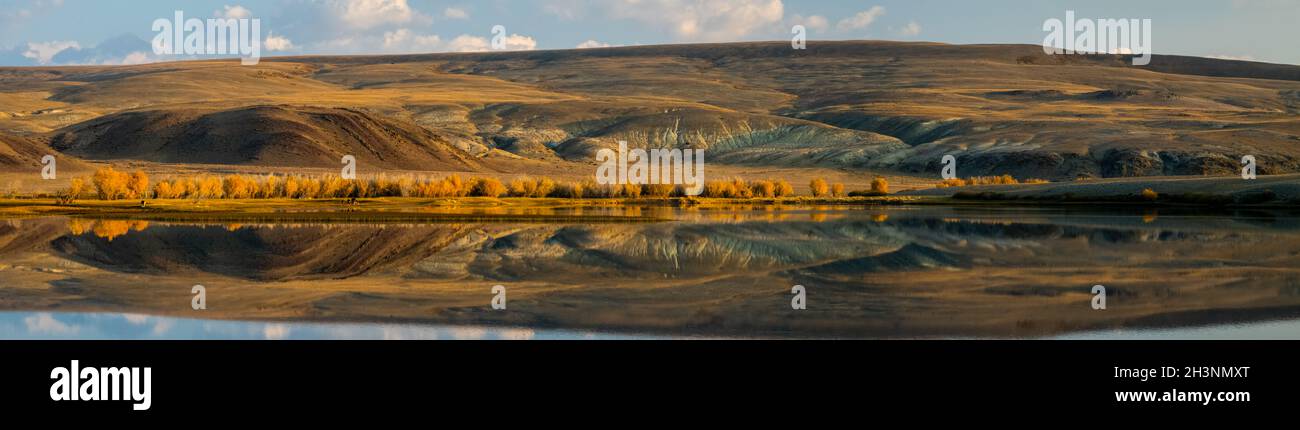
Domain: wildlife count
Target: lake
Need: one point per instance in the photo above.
(727, 272)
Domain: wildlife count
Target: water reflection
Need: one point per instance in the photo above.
(109, 326)
(870, 272)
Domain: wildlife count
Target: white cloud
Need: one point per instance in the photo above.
(517, 42)
(592, 44)
(44, 323)
(686, 20)
(275, 43)
(468, 333)
(43, 52)
(138, 57)
(404, 40)
(275, 332)
(816, 23)
(233, 12)
(861, 20)
(364, 14)
(911, 29)
(455, 13)
(467, 43)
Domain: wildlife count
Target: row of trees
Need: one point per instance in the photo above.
(987, 180)
(110, 184)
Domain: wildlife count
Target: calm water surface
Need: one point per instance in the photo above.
(913, 272)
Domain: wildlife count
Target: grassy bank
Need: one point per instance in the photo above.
(408, 209)
(1200, 191)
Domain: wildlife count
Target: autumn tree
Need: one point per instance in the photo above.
(110, 184)
(138, 185)
(819, 188)
(163, 190)
(880, 185)
(488, 188)
(783, 188)
(763, 188)
(75, 187)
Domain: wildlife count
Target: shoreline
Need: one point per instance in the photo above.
(485, 209)
(1224, 193)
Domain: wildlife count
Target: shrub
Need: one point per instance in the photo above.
(659, 191)
(310, 189)
(819, 188)
(291, 187)
(572, 191)
(488, 187)
(954, 182)
(764, 189)
(718, 189)
(740, 189)
(837, 190)
(270, 187)
(236, 187)
(209, 187)
(544, 187)
(880, 185)
(163, 190)
(783, 188)
(75, 187)
(632, 191)
(529, 187)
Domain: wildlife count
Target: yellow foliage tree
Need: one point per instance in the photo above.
(880, 185)
(488, 187)
(819, 188)
(783, 188)
(138, 185)
(110, 184)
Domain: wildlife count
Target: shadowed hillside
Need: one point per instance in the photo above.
(867, 106)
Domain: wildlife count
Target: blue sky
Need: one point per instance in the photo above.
(36, 32)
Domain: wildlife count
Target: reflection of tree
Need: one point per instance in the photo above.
(112, 229)
(79, 226)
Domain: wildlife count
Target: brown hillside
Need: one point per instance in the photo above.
(859, 106)
(262, 135)
(18, 152)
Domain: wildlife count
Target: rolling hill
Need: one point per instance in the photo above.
(854, 105)
(19, 153)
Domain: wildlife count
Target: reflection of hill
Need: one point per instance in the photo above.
(268, 254)
(27, 235)
(842, 249)
(916, 274)
(671, 250)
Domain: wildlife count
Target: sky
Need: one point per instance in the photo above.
(64, 32)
